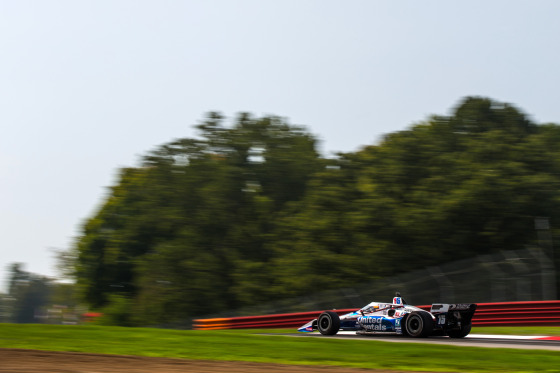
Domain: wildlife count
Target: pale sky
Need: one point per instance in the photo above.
(87, 87)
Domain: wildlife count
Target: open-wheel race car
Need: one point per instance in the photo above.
(453, 320)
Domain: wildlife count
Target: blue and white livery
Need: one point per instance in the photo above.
(453, 320)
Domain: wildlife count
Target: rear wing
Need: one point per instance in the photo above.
(439, 308)
(447, 314)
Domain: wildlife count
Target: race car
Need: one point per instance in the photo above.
(453, 320)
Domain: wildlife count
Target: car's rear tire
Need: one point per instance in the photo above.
(328, 323)
(464, 331)
(419, 324)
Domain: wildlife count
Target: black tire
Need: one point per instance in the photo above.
(403, 325)
(328, 323)
(419, 324)
(465, 330)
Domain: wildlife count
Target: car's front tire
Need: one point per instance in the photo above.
(419, 324)
(328, 323)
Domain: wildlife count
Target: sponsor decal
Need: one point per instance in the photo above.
(440, 308)
(370, 319)
(459, 306)
(375, 327)
(372, 323)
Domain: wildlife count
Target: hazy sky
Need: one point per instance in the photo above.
(86, 87)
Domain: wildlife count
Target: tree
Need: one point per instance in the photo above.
(251, 213)
(193, 217)
(29, 293)
(446, 189)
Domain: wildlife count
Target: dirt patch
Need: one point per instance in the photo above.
(32, 361)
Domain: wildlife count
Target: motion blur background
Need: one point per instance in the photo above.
(274, 155)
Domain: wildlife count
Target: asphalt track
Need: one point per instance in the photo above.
(473, 340)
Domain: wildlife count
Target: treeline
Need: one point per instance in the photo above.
(251, 213)
(34, 298)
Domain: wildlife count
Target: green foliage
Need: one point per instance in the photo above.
(251, 213)
(28, 292)
(117, 312)
(194, 219)
(32, 295)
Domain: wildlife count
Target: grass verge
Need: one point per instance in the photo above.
(246, 345)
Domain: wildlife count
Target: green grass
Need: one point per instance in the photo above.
(249, 345)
